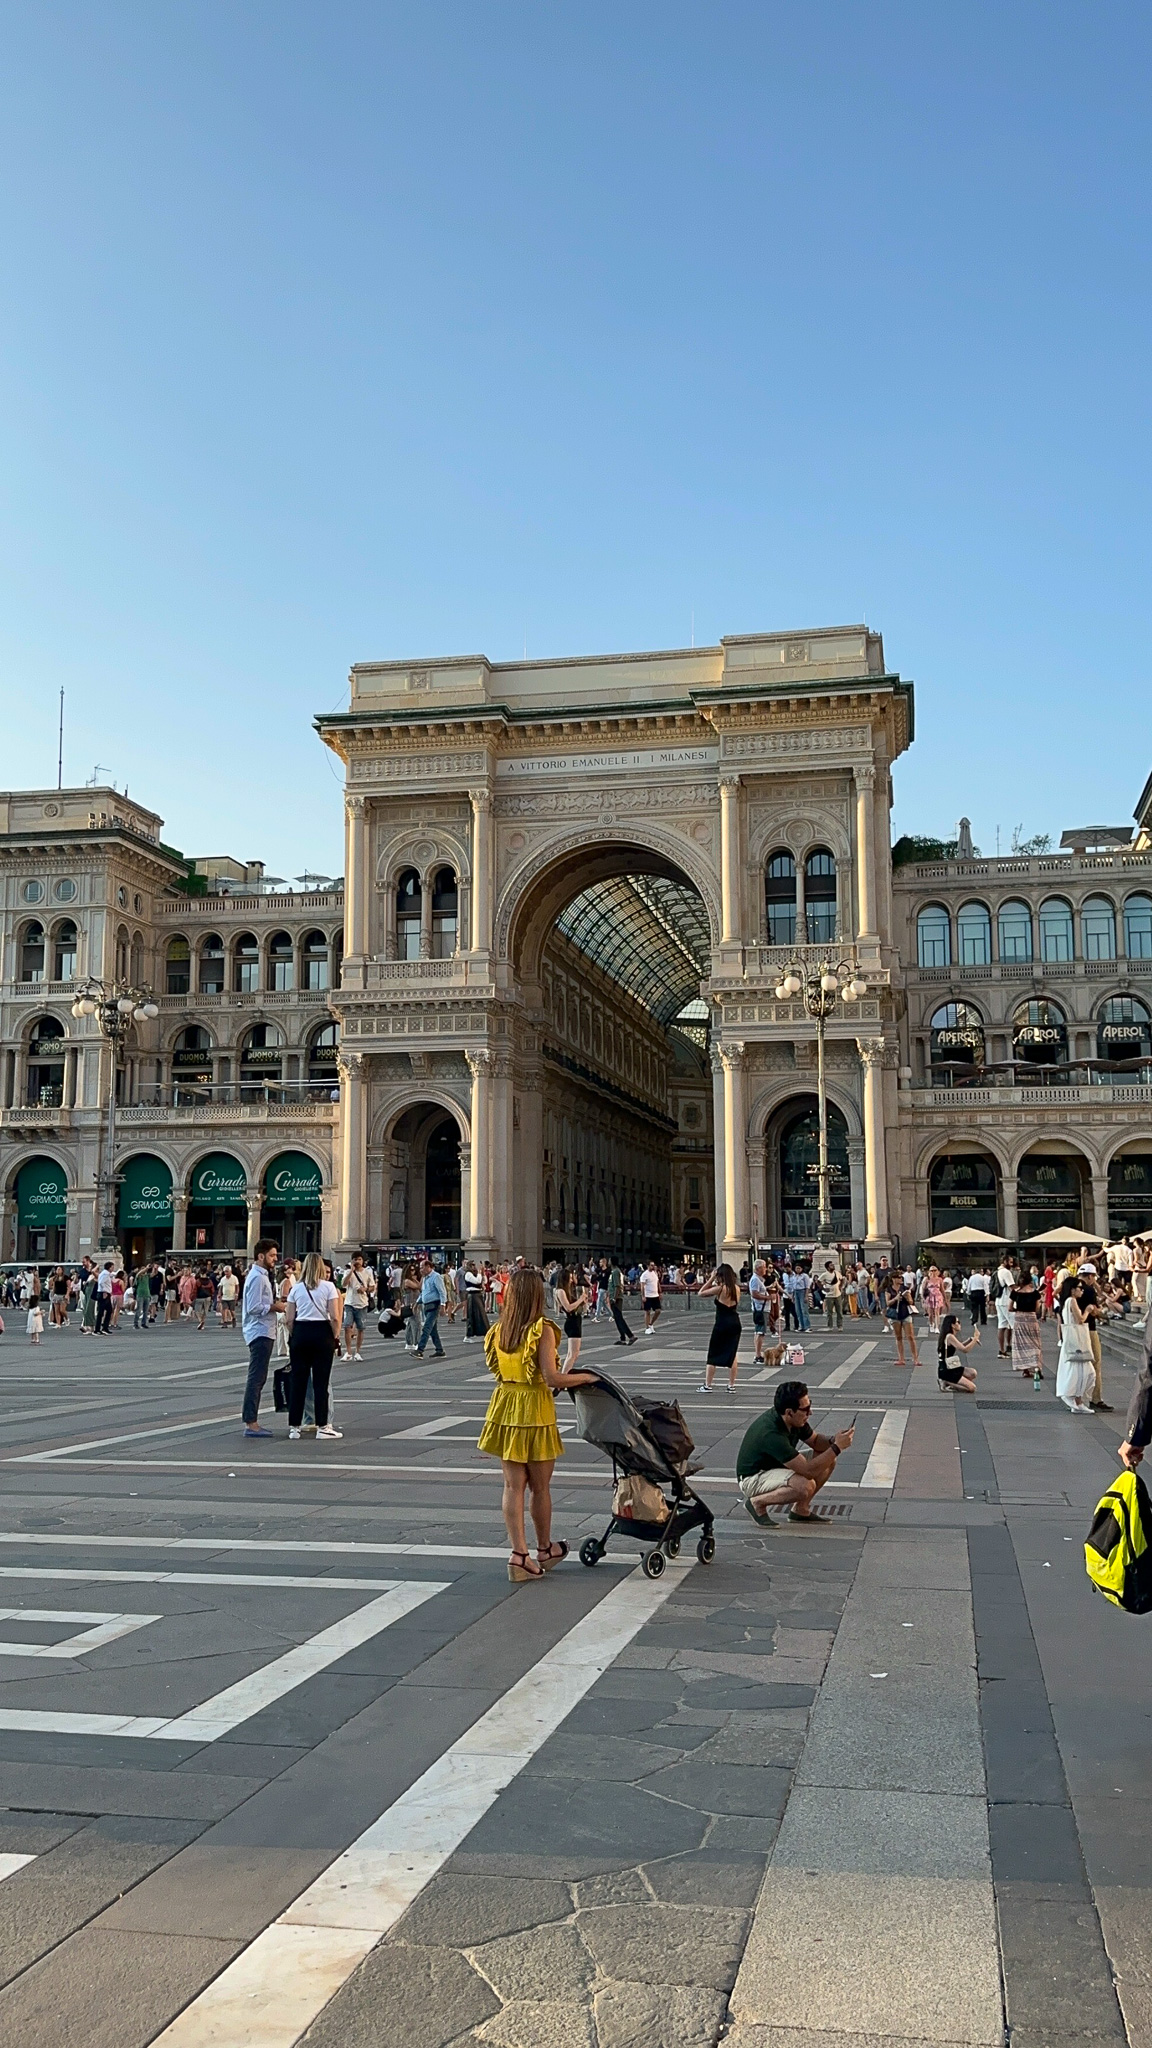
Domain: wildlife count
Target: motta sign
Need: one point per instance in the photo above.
(628, 762)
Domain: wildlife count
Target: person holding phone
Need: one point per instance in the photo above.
(782, 1462)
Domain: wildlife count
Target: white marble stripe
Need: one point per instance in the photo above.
(102, 1443)
(247, 1544)
(272, 1992)
(126, 1578)
(10, 1863)
(884, 1457)
(562, 1477)
(844, 1372)
(436, 1427)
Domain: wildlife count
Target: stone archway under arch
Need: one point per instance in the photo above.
(791, 1204)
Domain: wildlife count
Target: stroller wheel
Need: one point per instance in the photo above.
(590, 1551)
(653, 1563)
(706, 1549)
(673, 1546)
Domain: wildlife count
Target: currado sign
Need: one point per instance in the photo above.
(219, 1182)
(41, 1195)
(292, 1181)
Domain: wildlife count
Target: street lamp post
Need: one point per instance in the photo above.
(115, 1005)
(821, 988)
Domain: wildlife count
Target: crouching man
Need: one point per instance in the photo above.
(782, 1462)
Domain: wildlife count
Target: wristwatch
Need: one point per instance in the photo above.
(834, 1448)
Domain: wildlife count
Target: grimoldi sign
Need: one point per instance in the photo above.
(219, 1182)
(629, 761)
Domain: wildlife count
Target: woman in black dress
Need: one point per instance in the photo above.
(724, 1342)
(572, 1300)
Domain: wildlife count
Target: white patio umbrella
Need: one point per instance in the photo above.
(966, 1235)
(1063, 1238)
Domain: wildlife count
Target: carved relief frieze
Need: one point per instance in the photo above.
(825, 737)
(444, 765)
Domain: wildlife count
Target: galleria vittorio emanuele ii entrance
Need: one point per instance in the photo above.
(571, 891)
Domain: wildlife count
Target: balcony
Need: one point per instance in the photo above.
(1062, 1096)
(1024, 972)
(247, 999)
(168, 1108)
(278, 903)
(42, 1116)
(460, 971)
(1021, 867)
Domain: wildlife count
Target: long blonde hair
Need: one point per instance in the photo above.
(523, 1305)
(313, 1271)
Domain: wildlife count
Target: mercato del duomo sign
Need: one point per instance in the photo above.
(558, 1002)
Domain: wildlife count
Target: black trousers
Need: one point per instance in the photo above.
(978, 1303)
(618, 1318)
(477, 1321)
(103, 1311)
(310, 1348)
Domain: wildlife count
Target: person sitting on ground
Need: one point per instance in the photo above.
(782, 1462)
(949, 1371)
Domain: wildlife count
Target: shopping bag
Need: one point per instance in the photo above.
(280, 1379)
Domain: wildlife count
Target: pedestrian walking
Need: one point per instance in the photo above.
(724, 1341)
(228, 1293)
(616, 1303)
(104, 1298)
(900, 1312)
(571, 1302)
(758, 1296)
(357, 1295)
(433, 1295)
(976, 1289)
(142, 1299)
(1001, 1294)
(1024, 1302)
(313, 1316)
(1075, 1372)
(650, 1296)
(520, 1425)
(258, 1328)
(35, 1320)
(833, 1296)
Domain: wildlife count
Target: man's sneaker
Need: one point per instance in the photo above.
(329, 1431)
(704, 1389)
(294, 1436)
(253, 1429)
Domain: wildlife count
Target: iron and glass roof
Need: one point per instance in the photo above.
(651, 935)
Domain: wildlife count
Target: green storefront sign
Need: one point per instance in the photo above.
(219, 1182)
(292, 1182)
(41, 1195)
(145, 1194)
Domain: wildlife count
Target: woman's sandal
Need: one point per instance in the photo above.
(555, 1554)
(518, 1572)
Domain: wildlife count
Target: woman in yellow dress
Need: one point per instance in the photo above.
(520, 1426)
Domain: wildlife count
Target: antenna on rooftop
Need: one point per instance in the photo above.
(94, 779)
(60, 749)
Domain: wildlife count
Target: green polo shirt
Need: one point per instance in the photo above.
(768, 1444)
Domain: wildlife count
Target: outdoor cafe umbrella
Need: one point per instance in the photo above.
(1063, 1238)
(966, 1234)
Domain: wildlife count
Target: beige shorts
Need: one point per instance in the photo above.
(772, 1481)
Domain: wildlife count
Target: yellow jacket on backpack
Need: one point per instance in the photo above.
(1118, 1552)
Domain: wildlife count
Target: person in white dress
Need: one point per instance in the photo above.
(1075, 1373)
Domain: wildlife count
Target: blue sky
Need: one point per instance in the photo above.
(349, 331)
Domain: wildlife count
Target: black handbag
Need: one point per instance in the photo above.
(280, 1380)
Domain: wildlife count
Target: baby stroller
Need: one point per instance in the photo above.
(647, 1442)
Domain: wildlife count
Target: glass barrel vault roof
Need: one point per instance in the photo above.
(650, 934)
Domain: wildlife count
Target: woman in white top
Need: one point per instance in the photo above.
(312, 1313)
(1076, 1373)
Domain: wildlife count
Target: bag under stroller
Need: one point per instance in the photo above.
(649, 1445)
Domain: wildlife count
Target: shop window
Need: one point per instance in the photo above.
(1039, 1037)
(445, 901)
(962, 1190)
(178, 967)
(212, 965)
(1138, 927)
(1056, 937)
(32, 953)
(974, 935)
(64, 952)
(314, 952)
(1014, 932)
(46, 1064)
(820, 897)
(408, 904)
(1123, 1030)
(1049, 1193)
(281, 961)
(246, 964)
(780, 899)
(1098, 928)
(1130, 1194)
(957, 1042)
(934, 937)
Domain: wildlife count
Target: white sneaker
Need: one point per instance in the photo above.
(328, 1430)
(294, 1436)
(705, 1389)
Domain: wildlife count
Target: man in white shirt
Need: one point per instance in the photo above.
(976, 1288)
(758, 1295)
(356, 1297)
(104, 1299)
(650, 1294)
(433, 1295)
(258, 1325)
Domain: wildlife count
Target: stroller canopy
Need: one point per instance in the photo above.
(647, 1438)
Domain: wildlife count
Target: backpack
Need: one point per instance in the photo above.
(1118, 1550)
(994, 1289)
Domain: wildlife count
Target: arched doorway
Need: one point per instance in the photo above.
(144, 1209)
(793, 1156)
(422, 1192)
(41, 1190)
(442, 1183)
(1050, 1190)
(217, 1217)
(291, 1211)
(963, 1189)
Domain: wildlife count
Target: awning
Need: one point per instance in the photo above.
(219, 1182)
(293, 1181)
(1063, 1238)
(41, 1195)
(145, 1193)
(966, 1234)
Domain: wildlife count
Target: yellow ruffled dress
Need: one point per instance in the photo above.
(521, 1421)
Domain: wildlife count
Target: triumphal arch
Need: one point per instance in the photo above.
(571, 890)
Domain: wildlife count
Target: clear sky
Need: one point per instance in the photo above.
(342, 331)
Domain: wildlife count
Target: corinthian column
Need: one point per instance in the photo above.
(352, 1148)
(875, 1055)
(735, 1242)
(865, 779)
(480, 1179)
(730, 857)
(482, 865)
(355, 877)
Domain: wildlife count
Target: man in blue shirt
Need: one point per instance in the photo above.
(433, 1295)
(258, 1319)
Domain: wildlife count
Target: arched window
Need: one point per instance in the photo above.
(178, 967)
(281, 961)
(408, 901)
(137, 958)
(444, 914)
(974, 935)
(1098, 928)
(261, 1063)
(32, 952)
(957, 1042)
(45, 1086)
(780, 899)
(212, 965)
(64, 952)
(323, 1071)
(192, 1066)
(1123, 1030)
(337, 958)
(192, 1044)
(314, 951)
(1014, 932)
(122, 950)
(1055, 929)
(246, 964)
(820, 897)
(962, 1189)
(1039, 1035)
(1138, 927)
(934, 937)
